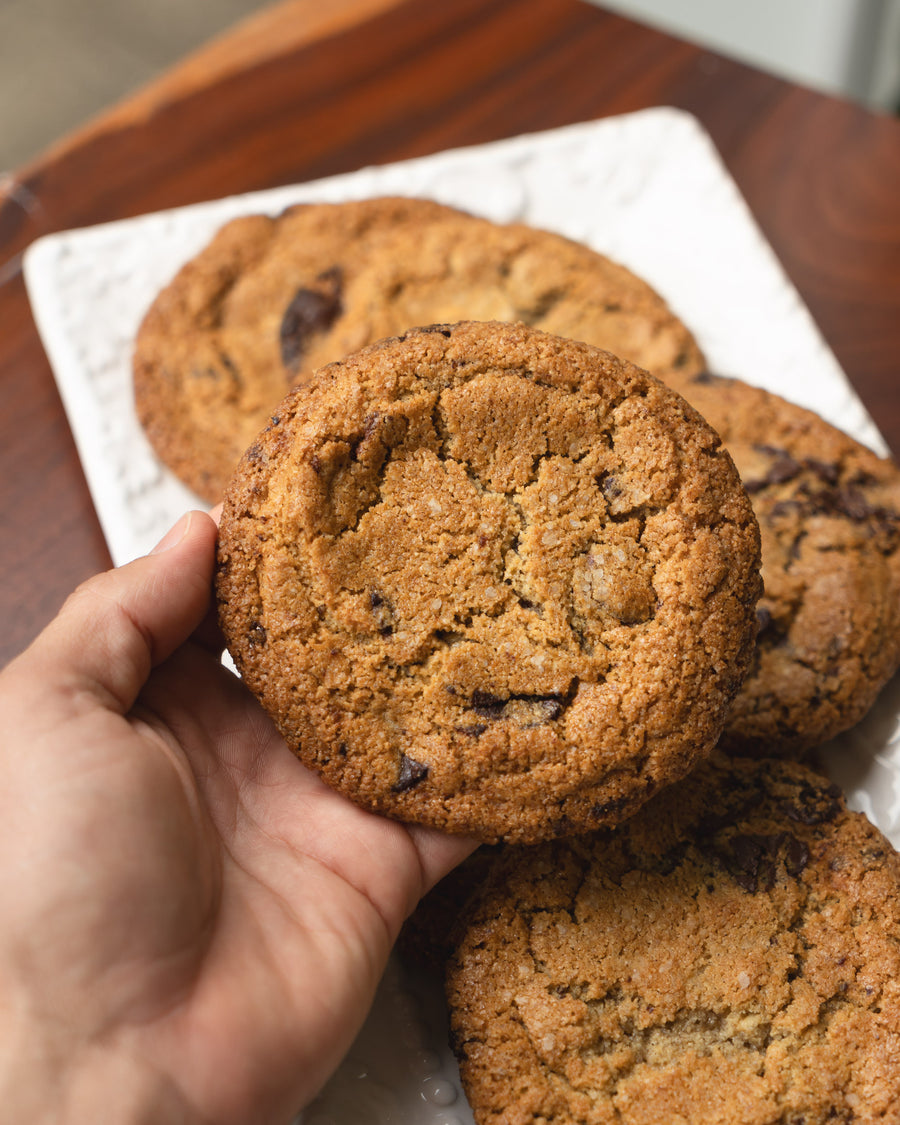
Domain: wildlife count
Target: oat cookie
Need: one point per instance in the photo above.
(829, 514)
(730, 955)
(491, 580)
(272, 299)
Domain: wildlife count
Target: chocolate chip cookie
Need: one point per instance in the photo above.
(491, 580)
(730, 954)
(272, 299)
(829, 514)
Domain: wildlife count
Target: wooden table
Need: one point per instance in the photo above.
(306, 89)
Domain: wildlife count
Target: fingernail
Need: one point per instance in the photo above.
(174, 535)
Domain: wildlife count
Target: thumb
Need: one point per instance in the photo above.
(117, 626)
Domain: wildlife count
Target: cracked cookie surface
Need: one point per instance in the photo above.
(829, 516)
(491, 580)
(729, 956)
(272, 299)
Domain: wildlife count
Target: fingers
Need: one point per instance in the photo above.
(118, 625)
(438, 853)
(208, 634)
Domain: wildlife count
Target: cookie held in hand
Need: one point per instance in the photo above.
(490, 580)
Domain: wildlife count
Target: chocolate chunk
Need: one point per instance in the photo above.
(747, 851)
(814, 806)
(527, 710)
(383, 612)
(755, 858)
(763, 619)
(257, 635)
(796, 855)
(765, 875)
(530, 711)
(602, 810)
(609, 486)
(255, 454)
(370, 424)
(853, 503)
(850, 502)
(787, 508)
(782, 469)
(379, 430)
(486, 705)
(826, 472)
(473, 731)
(411, 774)
(746, 881)
(310, 311)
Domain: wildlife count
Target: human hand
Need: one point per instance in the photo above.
(192, 925)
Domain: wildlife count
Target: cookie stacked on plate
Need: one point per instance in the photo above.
(829, 516)
(270, 300)
(729, 954)
(488, 577)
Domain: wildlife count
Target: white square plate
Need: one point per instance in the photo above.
(649, 190)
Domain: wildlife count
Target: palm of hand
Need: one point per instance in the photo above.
(202, 903)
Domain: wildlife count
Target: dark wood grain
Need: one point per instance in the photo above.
(290, 102)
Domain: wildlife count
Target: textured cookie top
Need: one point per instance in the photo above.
(272, 299)
(829, 515)
(731, 955)
(491, 580)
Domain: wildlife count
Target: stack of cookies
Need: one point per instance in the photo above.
(270, 300)
(491, 576)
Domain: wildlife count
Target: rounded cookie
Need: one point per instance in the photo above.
(829, 516)
(731, 954)
(491, 580)
(272, 299)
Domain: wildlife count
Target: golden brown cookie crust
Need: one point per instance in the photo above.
(491, 580)
(272, 299)
(729, 955)
(829, 516)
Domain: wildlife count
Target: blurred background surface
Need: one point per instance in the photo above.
(846, 47)
(62, 61)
